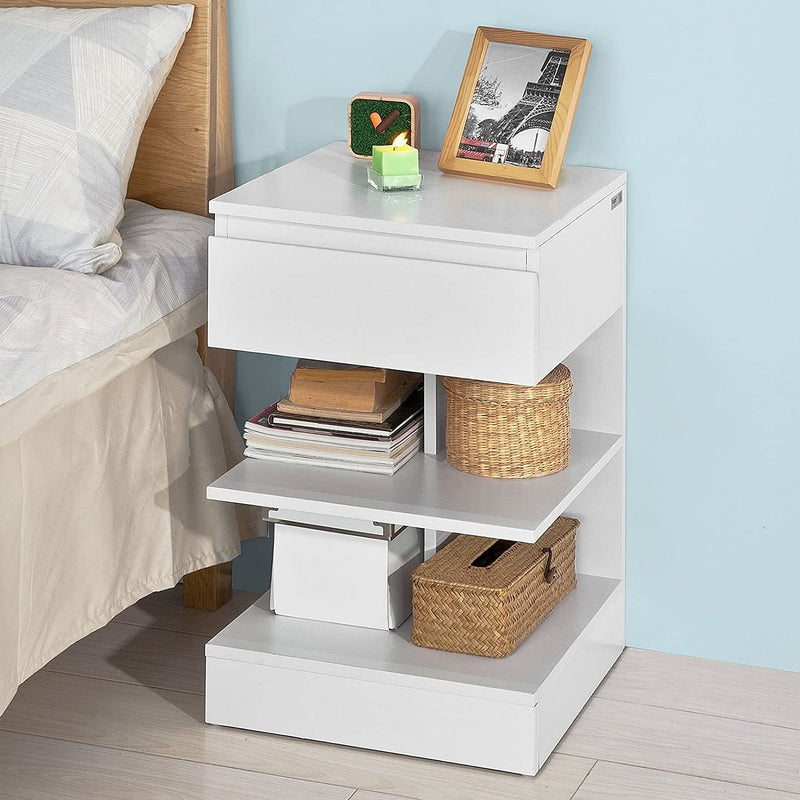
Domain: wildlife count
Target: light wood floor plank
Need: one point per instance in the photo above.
(362, 795)
(34, 768)
(161, 722)
(621, 782)
(693, 744)
(165, 610)
(710, 687)
(152, 657)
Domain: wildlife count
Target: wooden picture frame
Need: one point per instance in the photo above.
(508, 84)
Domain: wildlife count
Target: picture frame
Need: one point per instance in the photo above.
(515, 106)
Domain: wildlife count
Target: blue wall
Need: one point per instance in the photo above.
(699, 101)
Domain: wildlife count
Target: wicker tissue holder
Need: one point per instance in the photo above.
(485, 596)
(500, 430)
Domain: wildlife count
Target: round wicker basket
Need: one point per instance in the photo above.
(500, 430)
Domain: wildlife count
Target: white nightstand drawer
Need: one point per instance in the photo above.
(403, 313)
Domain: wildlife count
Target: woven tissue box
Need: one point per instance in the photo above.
(485, 596)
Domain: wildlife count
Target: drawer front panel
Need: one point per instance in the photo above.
(402, 313)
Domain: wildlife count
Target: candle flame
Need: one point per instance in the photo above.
(400, 140)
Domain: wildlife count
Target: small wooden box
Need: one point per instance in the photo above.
(485, 596)
(362, 134)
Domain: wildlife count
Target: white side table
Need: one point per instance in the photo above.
(470, 279)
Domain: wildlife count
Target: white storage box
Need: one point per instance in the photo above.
(358, 577)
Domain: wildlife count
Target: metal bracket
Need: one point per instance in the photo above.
(388, 528)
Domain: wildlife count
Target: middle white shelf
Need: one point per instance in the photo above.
(426, 493)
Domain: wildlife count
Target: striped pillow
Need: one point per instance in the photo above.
(76, 88)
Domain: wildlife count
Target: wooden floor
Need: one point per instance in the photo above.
(120, 715)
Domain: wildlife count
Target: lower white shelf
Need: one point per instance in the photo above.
(374, 689)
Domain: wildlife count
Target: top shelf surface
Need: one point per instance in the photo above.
(329, 188)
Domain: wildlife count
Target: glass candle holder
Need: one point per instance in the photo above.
(394, 183)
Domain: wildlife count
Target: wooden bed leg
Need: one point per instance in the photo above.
(208, 589)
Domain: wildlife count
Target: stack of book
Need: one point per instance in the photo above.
(342, 416)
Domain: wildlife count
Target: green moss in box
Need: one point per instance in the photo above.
(364, 132)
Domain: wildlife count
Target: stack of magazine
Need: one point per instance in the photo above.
(354, 444)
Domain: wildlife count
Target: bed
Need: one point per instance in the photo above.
(114, 414)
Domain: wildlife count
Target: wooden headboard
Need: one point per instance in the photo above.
(185, 155)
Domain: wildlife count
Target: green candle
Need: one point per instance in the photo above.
(389, 160)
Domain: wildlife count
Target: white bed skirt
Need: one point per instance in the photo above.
(102, 500)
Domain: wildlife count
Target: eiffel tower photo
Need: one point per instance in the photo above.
(537, 105)
(492, 139)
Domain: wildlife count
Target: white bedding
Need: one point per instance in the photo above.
(51, 319)
(103, 498)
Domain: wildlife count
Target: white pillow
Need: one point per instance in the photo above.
(76, 88)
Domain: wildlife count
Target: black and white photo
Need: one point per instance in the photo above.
(513, 104)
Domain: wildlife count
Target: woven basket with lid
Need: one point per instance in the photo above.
(488, 609)
(500, 430)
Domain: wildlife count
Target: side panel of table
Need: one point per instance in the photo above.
(580, 281)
